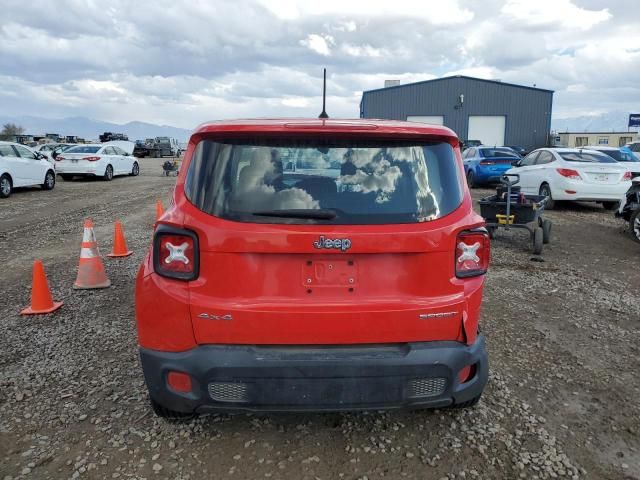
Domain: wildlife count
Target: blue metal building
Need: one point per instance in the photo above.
(494, 112)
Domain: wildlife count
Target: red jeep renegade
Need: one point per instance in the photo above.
(315, 265)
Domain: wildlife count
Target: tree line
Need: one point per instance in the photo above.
(10, 130)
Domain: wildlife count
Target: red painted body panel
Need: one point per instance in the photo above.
(260, 273)
(162, 312)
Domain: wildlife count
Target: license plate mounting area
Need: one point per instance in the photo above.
(329, 273)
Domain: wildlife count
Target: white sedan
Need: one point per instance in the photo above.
(104, 160)
(573, 174)
(22, 167)
(47, 149)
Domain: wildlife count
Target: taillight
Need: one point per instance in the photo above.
(58, 158)
(472, 253)
(627, 176)
(175, 253)
(92, 159)
(569, 173)
(487, 162)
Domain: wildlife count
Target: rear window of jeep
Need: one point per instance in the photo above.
(327, 182)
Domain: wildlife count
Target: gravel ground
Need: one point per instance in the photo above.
(562, 400)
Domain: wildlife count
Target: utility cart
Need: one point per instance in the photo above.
(170, 167)
(509, 208)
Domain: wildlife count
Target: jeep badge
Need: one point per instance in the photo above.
(343, 244)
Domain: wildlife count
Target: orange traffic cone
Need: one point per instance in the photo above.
(159, 209)
(119, 243)
(41, 300)
(91, 272)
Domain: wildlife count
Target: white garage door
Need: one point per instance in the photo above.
(432, 119)
(488, 129)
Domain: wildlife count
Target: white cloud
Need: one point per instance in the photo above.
(296, 102)
(442, 13)
(563, 13)
(321, 44)
(345, 26)
(488, 73)
(362, 50)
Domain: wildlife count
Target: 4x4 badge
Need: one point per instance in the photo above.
(343, 244)
(210, 316)
(428, 316)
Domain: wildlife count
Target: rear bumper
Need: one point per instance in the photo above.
(588, 192)
(318, 378)
(81, 167)
(77, 171)
(79, 174)
(488, 175)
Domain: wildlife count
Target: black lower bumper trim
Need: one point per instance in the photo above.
(318, 378)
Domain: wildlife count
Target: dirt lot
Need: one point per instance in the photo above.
(563, 398)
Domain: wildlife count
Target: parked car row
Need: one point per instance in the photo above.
(593, 174)
(51, 150)
(622, 154)
(573, 174)
(21, 166)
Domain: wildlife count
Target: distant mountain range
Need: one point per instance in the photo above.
(605, 122)
(90, 129)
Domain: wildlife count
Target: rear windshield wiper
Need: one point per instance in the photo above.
(318, 213)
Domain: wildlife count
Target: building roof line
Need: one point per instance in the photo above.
(457, 76)
(596, 133)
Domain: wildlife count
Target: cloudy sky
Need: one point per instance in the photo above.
(181, 63)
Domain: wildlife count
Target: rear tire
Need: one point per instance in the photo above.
(471, 179)
(49, 181)
(170, 415)
(634, 226)
(135, 171)
(545, 191)
(5, 186)
(108, 174)
(610, 205)
(546, 231)
(538, 236)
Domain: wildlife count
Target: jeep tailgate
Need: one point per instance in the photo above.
(271, 284)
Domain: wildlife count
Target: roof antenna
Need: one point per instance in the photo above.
(324, 95)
